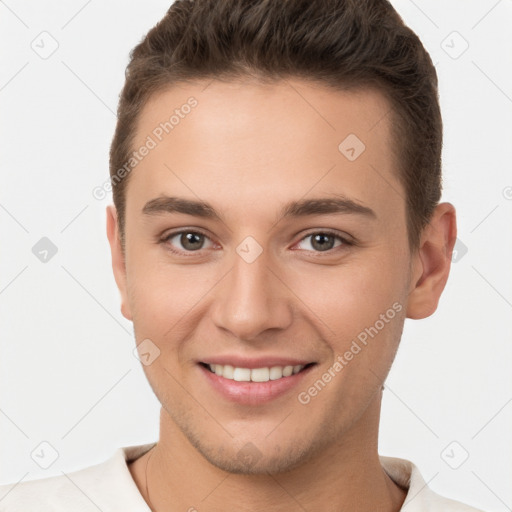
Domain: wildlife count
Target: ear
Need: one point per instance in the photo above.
(118, 261)
(431, 262)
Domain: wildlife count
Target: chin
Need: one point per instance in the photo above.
(249, 460)
(257, 457)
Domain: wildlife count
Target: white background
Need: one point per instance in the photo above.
(67, 372)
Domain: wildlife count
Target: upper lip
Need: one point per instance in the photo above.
(255, 362)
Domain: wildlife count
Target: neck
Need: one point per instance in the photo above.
(345, 476)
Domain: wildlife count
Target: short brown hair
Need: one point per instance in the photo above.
(344, 44)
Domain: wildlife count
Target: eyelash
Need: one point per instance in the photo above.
(344, 241)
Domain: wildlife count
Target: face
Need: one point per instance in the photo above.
(260, 234)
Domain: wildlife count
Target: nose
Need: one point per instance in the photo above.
(252, 299)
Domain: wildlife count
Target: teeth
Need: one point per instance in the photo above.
(228, 371)
(260, 374)
(255, 374)
(276, 372)
(240, 374)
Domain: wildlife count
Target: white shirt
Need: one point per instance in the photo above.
(109, 487)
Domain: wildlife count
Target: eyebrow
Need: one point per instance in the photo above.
(301, 208)
(338, 204)
(166, 204)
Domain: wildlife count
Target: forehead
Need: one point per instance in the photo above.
(276, 142)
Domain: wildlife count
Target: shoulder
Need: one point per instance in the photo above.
(46, 494)
(107, 486)
(56, 493)
(420, 498)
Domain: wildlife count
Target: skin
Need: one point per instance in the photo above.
(248, 149)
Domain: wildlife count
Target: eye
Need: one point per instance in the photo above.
(187, 241)
(322, 241)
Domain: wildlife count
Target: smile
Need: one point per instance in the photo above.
(263, 374)
(253, 380)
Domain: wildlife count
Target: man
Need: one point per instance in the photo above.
(276, 179)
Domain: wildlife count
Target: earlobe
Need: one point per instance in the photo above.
(118, 260)
(432, 261)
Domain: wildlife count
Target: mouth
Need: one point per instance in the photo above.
(261, 374)
(254, 382)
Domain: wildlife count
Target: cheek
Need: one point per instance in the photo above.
(360, 311)
(164, 297)
(350, 297)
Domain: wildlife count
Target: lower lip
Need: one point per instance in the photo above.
(253, 393)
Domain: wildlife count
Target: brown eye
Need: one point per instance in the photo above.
(191, 241)
(321, 242)
(187, 241)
